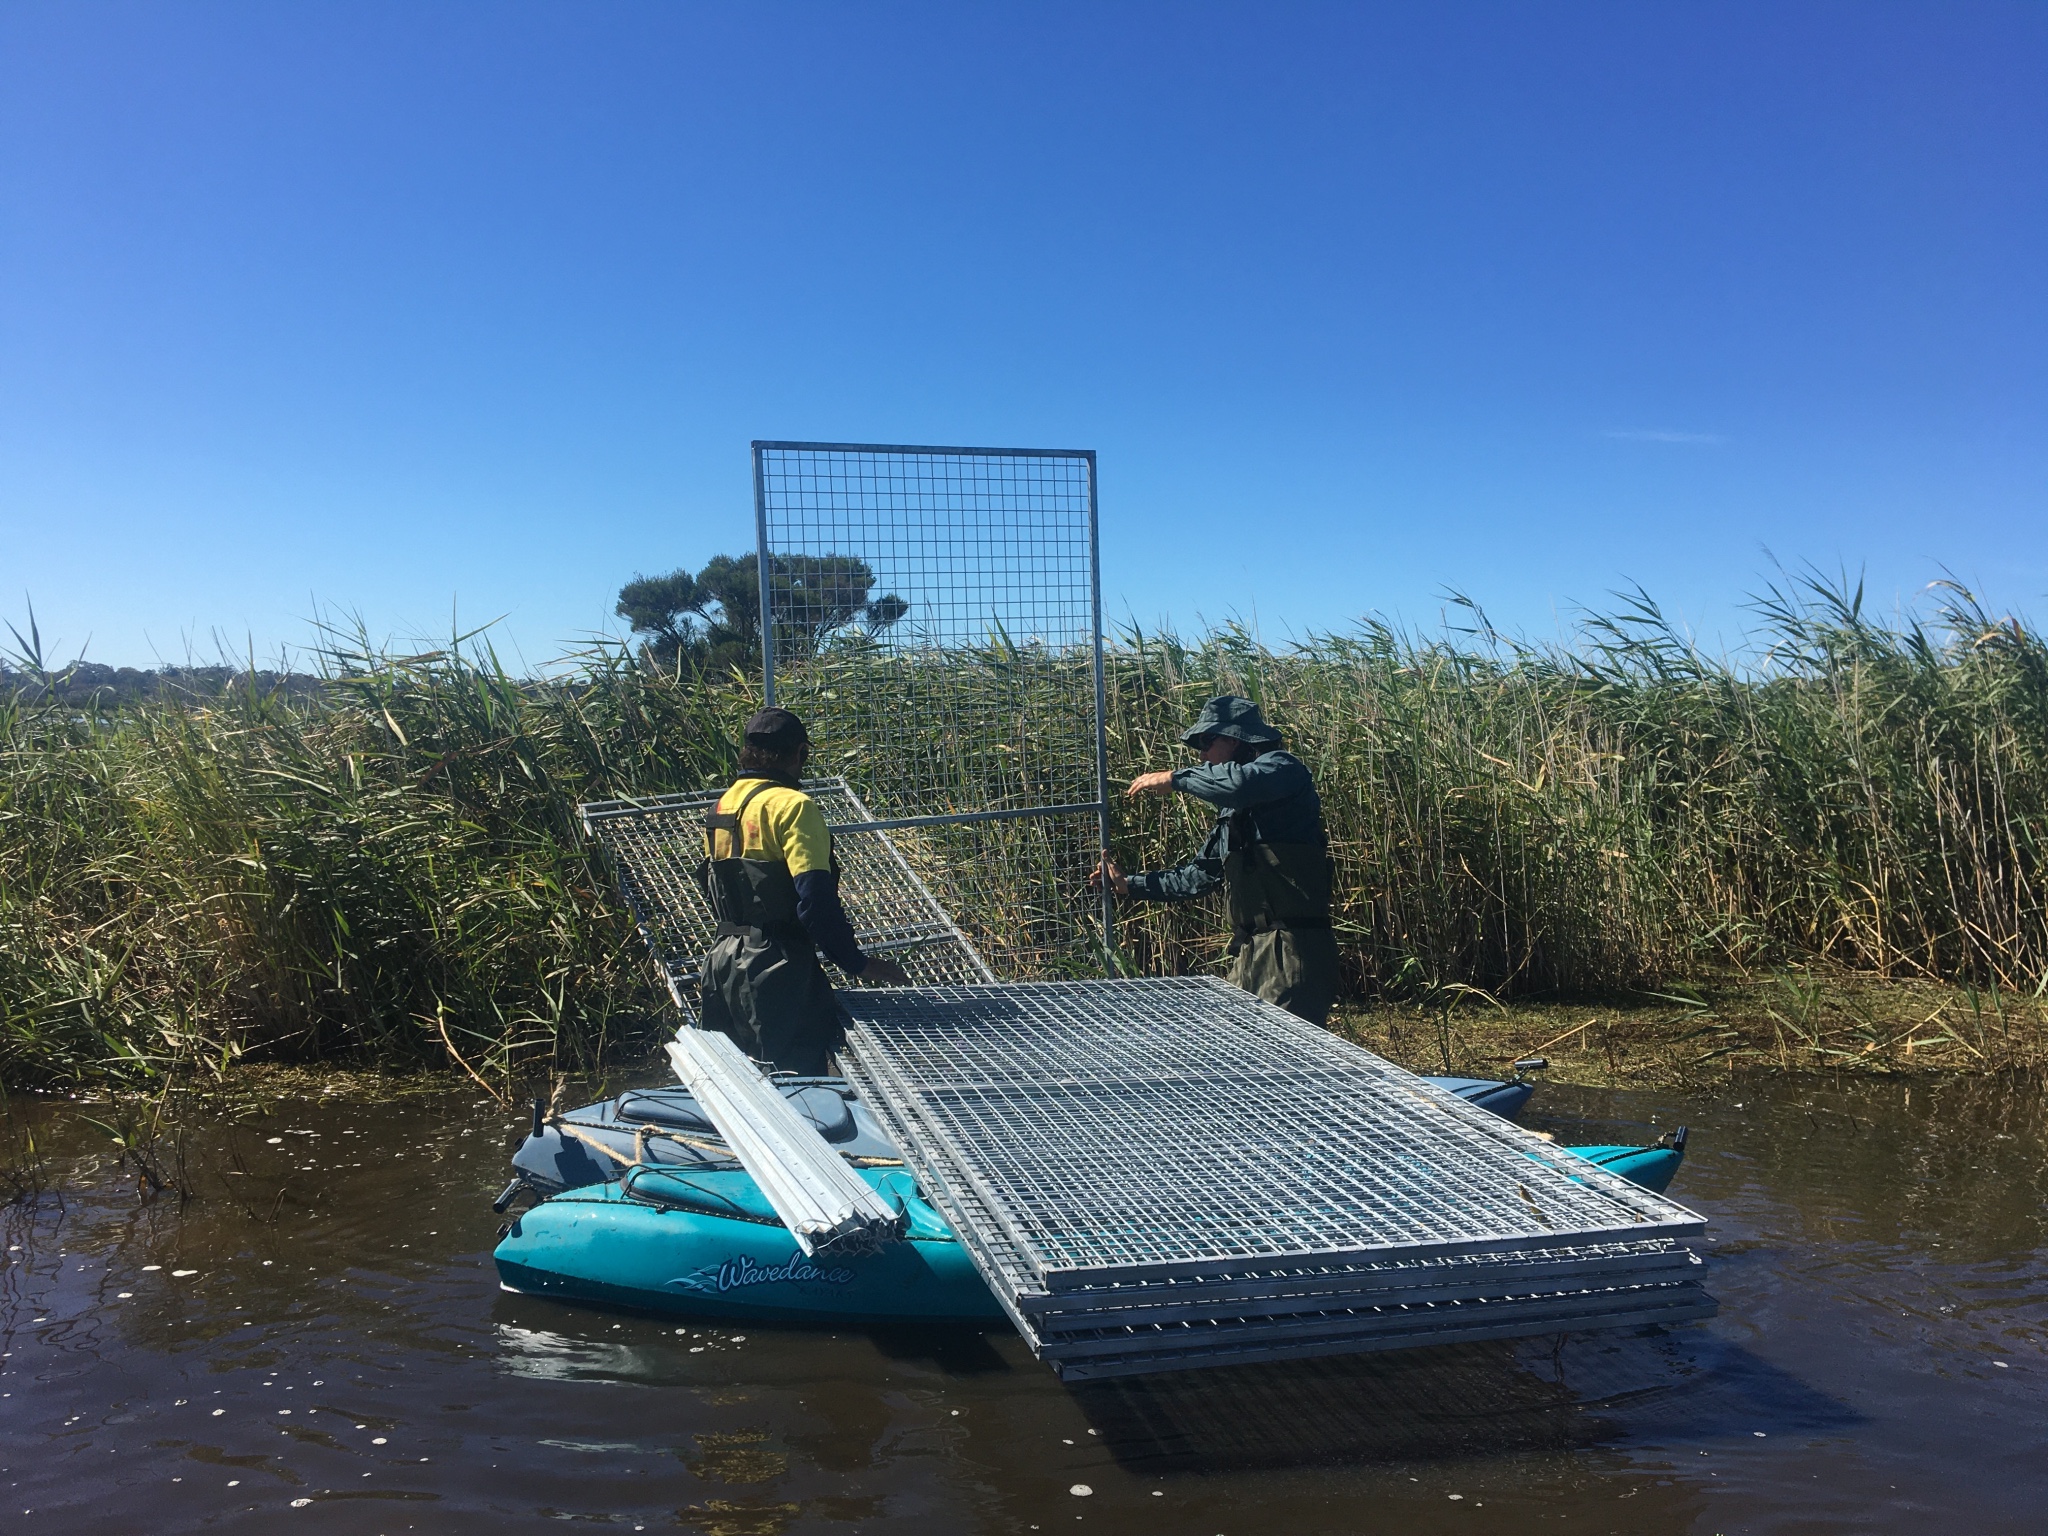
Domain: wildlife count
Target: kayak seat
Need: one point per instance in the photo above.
(824, 1109)
(672, 1110)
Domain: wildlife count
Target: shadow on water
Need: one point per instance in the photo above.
(1450, 1403)
(956, 1349)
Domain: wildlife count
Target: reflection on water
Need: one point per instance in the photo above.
(320, 1339)
(1446, 1404)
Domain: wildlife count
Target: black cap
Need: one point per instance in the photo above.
(776, 731)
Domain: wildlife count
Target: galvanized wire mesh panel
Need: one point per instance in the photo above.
(934, 615)
(1361, 1331)
(1017, 889)
(1319, 1287)
(1174, 1125)
(1155, 1174)
(656, 844)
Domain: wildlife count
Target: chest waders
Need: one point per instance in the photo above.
(1279, 895)
(762, 982)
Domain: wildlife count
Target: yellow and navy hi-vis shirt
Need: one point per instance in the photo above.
(779, 824)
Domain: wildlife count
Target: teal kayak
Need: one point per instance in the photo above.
(1652, 1167)
(706, 1244)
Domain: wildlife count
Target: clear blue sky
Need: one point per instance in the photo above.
(400, 308)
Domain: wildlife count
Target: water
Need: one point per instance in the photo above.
(339, 1358)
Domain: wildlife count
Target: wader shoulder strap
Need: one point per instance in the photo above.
(728, 822)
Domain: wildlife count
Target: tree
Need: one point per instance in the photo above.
(712, 620)
(667, 608)
(820, 596)
(734, 584)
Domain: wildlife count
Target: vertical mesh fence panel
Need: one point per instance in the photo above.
(933, 614)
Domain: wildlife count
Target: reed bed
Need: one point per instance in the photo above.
(386, 868)
(1627, 812)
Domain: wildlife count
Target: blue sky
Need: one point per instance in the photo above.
(423, 309)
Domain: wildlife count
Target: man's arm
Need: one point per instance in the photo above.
(1184, 882)
(1239, 786)
(807, 849)
(819, 909)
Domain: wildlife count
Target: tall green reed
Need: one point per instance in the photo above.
(388, 868)
(1627, 811)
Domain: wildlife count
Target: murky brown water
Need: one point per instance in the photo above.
(323, 1347)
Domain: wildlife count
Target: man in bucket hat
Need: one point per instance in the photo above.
(1268, 850)
(773, 883)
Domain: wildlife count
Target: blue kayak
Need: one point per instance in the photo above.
(1652, 1167)
(1503, 1099)
(708, 1244)
(645, 1208)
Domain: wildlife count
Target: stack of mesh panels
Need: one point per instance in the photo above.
(1157, 1174)
(655, 845)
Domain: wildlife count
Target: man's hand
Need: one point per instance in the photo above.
(884, 973)
(1107, 871)
(1151, 784)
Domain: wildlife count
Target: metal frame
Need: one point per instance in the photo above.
(892, 909)
(1109, 948)
(1167, 1172)
(1285, 1288)
(1664, 1305)
(767, 527)
(1172, 1126)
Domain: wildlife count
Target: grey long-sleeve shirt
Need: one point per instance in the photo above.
(1277, 791)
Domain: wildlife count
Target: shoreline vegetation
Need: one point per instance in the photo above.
(1817, 1020)
(1824, 852)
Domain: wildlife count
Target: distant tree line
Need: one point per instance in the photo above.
(711, 621)
(92, 682)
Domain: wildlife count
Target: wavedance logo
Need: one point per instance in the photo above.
(741, 1271)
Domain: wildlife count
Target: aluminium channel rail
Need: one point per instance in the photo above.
(827, 1207)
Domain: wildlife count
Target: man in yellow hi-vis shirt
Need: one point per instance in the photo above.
(773, 884)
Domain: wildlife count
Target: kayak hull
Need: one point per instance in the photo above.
(683, 1230)
(600, 1244)
(1503, 1099)
(1652, 1167)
